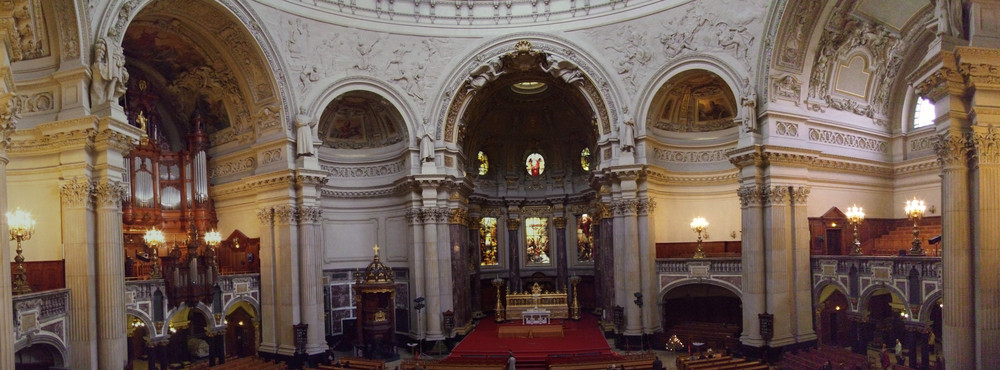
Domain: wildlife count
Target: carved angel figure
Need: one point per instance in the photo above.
(107, 73)
(304, 125)
(626, 135)
(484, 74)
(564, 69)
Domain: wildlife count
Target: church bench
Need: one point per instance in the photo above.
(357, 363)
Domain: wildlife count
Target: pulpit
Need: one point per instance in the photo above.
(375, 298)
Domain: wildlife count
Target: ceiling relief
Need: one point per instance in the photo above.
(695, 101)
(358, 120)
(27, 29)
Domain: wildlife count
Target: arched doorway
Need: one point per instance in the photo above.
(137, 333)
(38, 356)
(885, 315)
(833, 325)
(703, 313)
(241, 336)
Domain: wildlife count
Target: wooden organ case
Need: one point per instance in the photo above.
(375, 297)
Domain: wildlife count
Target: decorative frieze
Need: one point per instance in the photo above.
(271, 156)
(922, 143)
(35, 103)
(981, 75)
(847, 140)
(786, 88)
(937, 84)
(365, 171)
(232, 167)
(786, 129)
(677, 156)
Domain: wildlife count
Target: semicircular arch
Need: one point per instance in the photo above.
(317, 101)
(925, 308)
(864, 299)
(248, 304)
(450, 105)
(691, 281)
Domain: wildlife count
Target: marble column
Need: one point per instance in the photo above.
(111, 346)
(78, 220)
(415, 218)
(778, 255)
(458, 230)
(432, 279)
(8, 118)
(280, 294)
(754, 265)
(649, 277)
(562, 258)
(311, 278)
(604, 263)
(477, 257)
(514, 253)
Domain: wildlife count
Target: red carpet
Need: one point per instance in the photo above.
(581, 338)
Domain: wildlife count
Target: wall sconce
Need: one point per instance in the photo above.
(698, 225)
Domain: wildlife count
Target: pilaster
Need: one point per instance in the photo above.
(111, 345)
(310, 278)
(513, 252)
(562, 270)
(649, 277)
(415, 219)
(625, 215)
(432, 278)
(8, 120)
(778, 255)
(754, 266)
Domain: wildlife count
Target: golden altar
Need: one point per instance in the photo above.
(555, 302)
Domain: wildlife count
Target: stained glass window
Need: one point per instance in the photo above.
(585, 159)
(535, 164)
(484, 163)
(488, 241)
(585, 238)
(923, 113)
(537, 244)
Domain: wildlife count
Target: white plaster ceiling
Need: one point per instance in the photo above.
(893, 13)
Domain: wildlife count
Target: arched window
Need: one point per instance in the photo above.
(585, 159)
(923, 113)
(484, 163)
(535, 164)
(488, 241)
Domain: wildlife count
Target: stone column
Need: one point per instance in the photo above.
(8, 118)
(446, 278)
(432, 280)
(111, 346)
(604, 262)
(268, 283)
(415, 218)
(649, 278)
(311, 278)
(562, 260)
(514, 253)
(626, 210)
(286, 270)
(78, 221)
(754, 265)
(459, 236)
(778, 255)
(802, 331)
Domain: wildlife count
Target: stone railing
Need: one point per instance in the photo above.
(141, 300)
(477, 13)
(898, 266)
(713, 266)
(41, 317)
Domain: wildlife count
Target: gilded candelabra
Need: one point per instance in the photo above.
(498, 282)
(699, 224)
(21, 227)
(855, 215)
(575, 308)
(915, 211)
(154, 239)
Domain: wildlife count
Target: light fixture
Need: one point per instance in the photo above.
(575, 308)
(915, 211)
(21, 227)
(499, 316)
(529, 87)
(699, 224)
(154, 239)
(213, 238)
(837, 308)
(855, 215)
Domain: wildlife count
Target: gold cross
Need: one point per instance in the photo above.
(375, 248)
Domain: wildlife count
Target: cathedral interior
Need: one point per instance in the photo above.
(217, 179)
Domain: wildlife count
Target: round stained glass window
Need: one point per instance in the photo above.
(535, 164)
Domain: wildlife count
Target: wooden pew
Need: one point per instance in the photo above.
(357, 363)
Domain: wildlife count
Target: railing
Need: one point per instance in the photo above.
(715, 265)
(929, 267)
(41, 317)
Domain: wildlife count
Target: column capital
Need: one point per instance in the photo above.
(559, 222)
(775, 194)
(264, 216)
(645, 206)
(77, 193)
(625, 207)
(9, 114)
(110, 194)
(310, 214)
(474, 222)
(942, 81)
(286, 214)
(458, 216)
(414, 216)
(751, 195)
(800, 194)
(513, 223)
(952, 149)
(986, 146)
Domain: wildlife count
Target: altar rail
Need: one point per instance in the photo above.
(555, 302)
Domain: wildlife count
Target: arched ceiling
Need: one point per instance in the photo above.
(694, 101)
(360, 119)
(508, 123)
(191, 54)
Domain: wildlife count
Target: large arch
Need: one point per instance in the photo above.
(244, 29)
(820, 286)
(450, 106)
(319, 99)
(695, 281)
(865, 297)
